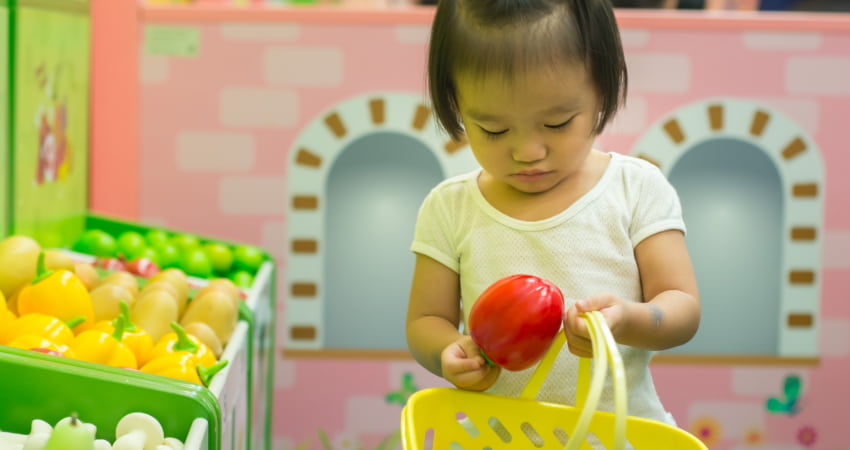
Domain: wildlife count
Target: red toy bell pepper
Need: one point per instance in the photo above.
(515, 320)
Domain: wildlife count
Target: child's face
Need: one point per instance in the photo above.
(532, 133)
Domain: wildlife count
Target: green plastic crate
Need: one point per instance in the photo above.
(37, 386)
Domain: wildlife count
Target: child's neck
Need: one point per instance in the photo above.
(534, 207)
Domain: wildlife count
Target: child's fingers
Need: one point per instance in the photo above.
(574, 324)
(581, 347)
(584, 305)
(471, 351)
(465, 365)
(599, 302)
(477, 380)
(461, 357)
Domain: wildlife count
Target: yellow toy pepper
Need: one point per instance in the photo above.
(180, 341)
(183, 366)
(40, 325)
(104, 348)
(41, 344)
(6, 316)
(135, 338)
(58, 293)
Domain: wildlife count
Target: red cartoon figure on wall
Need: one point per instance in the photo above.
(51, 120)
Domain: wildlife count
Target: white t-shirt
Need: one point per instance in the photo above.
(585, 250)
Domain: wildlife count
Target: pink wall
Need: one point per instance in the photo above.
(205, 142)
(114, 172)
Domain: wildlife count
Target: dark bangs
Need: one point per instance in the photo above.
(507, 37)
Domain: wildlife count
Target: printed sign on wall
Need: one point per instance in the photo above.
(51, 127)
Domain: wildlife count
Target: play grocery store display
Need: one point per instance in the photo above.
(101, 317)
(117, 332)
(155, 324)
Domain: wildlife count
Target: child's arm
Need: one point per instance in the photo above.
(670, 313)
(433, 338)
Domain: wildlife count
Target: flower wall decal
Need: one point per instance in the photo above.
(807, 436)
(707, 429)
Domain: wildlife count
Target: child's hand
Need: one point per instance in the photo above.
(465, 367)
(578, 335)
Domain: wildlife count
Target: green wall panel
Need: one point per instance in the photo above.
(51, 129)
(4, 120)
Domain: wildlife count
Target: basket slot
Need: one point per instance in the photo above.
(561, 435)
(428, 444)
(456, 446)
(500, 430)
(532, 434)
(592, 441)
(466, 423)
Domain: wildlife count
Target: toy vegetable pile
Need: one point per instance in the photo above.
(135, 431)
(156, 328)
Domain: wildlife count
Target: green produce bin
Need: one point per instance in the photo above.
(37, 386)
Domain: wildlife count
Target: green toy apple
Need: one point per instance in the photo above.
(242, 278)
(96, 242)
(185, 241)
(71, 434)
(149, 253)
(195, 262)
(220, 255)
(248, 258)
(156, 237)
(131, 244)
(168, 255)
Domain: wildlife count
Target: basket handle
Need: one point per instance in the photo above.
(604, 350)
(539, 375)
(589, 387)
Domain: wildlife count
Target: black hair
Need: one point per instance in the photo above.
(506, 37)
(637, 3)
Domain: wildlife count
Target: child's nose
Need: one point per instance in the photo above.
(529, 149)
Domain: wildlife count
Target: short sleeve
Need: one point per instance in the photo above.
(432, 236)
(657, 207)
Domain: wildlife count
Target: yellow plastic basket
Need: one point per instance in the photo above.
(455, 419)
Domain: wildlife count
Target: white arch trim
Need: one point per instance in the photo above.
(798, 161)
(311, 157)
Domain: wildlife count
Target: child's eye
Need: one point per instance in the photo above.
(560, 125)
(492, 134)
